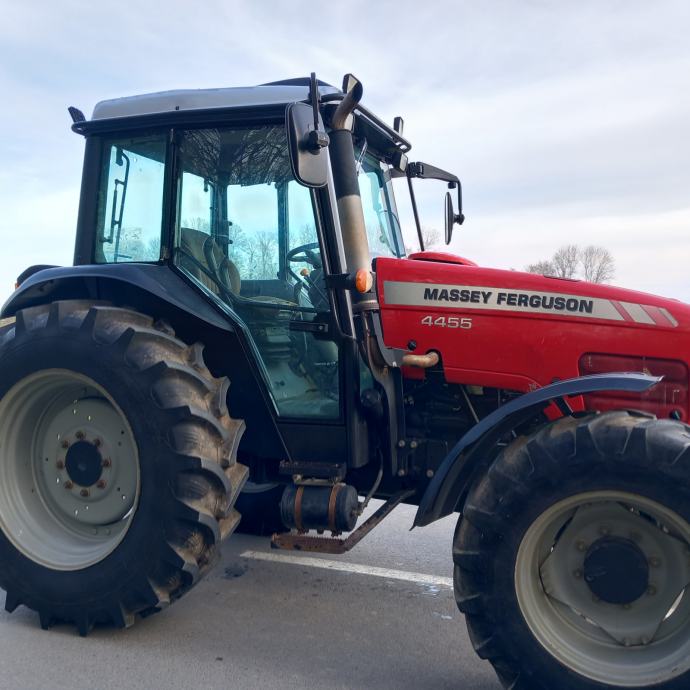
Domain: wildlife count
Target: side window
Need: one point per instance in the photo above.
(369, 190)
(253, 230)
(196, 198)
(130, 203)
(380, 216)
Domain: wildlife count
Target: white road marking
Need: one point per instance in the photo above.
(342, 566)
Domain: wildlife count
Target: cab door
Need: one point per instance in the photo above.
(247, 232)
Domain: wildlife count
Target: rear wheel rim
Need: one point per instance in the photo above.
(637, 643)
(69, 470)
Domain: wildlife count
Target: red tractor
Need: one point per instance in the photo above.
(241, 308)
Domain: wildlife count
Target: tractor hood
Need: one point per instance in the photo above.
(508, 329)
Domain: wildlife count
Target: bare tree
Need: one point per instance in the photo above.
(431, 238)
(544, 268)
(566, 261)
(593, 263)
(598, 265)
(268, 253)
(197, 223)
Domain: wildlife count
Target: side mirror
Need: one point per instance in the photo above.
(307, 140)
(425, 171)
(307, 151)
(449, 218)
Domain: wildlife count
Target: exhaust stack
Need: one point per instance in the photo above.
(350, 212)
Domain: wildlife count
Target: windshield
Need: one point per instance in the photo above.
(378, 204)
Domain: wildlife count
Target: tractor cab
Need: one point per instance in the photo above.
(206, 183)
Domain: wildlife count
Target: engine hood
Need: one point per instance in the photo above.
(431, 280)
(519, 331)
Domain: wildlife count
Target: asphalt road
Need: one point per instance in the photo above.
(274, 624)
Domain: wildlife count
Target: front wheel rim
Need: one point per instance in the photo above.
(637, 643)
(69, 470)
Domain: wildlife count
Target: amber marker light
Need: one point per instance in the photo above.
(363, 280)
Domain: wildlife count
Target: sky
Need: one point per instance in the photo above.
(568, 122)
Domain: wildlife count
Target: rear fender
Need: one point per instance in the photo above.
(457, 469)
(157, 289)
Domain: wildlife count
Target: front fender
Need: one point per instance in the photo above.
(444, 490)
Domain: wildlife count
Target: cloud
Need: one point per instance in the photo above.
(566, 121)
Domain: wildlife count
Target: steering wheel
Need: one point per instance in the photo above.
(306, 254)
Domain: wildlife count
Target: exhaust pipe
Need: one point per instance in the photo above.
(350, 212)
(353, 95)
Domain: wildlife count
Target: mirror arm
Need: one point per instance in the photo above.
(415, 213)
(317, 138)
(424, 171)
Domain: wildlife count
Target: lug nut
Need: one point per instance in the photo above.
(84, 493)
(69, 484)
(65, 444)
(60, 465)
(430, 473)
(604, 531)
(580, 545)
(655, 562)
(106, 462)
(651, 590)
(577, 574)
(101, 483)
(80, 435)
(97, 442)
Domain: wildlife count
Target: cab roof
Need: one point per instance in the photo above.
(118, 113)
(275, 93)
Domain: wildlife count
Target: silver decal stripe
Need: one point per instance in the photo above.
(637, 313)
(498, 298)
(669, 316)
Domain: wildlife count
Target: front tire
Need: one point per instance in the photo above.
(572, 556)
(118, 472)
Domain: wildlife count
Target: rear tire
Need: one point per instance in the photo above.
(259, 505)
(94, 399)
(526, 547)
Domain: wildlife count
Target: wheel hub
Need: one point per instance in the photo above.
(87, 468)
(578, 576)
(69, 470)
(84, 463)
(616, 570)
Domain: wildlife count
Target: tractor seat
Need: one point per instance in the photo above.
(203, 258)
